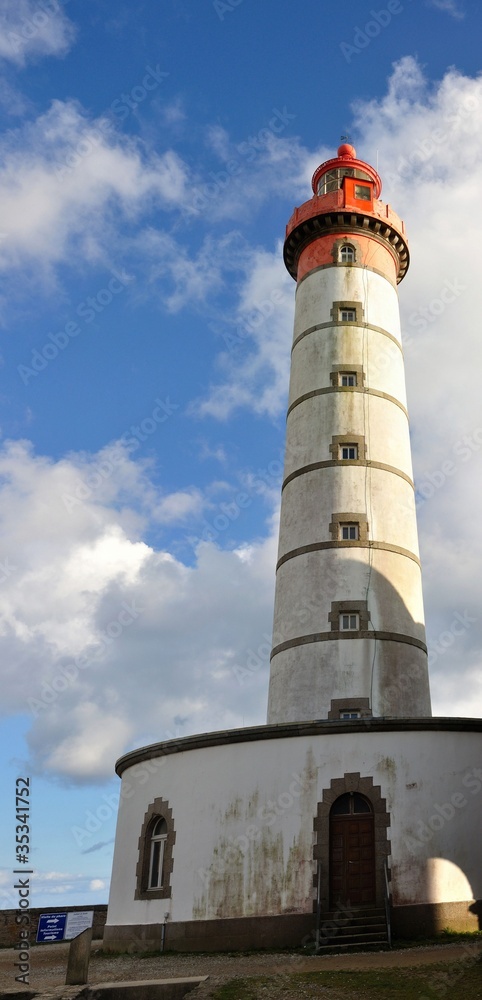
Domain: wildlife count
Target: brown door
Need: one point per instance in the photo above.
(352, 859)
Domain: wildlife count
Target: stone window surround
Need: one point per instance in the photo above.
(358, 607)
(348, 517)
(356, 306)
(158, 809)
(338, 370)
(338, 705)
(342, 242)
(351, 782)
(345, 439)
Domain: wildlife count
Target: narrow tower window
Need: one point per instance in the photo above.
(349, 532)
(349, 622)
(347, 254)
(348, 452)
(158, 844)
(347, 378)
(155, 859)
(348, 315)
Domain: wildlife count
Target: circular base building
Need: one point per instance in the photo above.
(287, 834)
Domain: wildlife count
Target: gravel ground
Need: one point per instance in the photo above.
(48, 965)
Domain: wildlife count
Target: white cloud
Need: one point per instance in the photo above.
(50, 884)
(449, 7)
(428, 138)
(192, 279)
(256, 335)
(97, 884)
(156, 641)
(63, 181)
(179, 506)
(77, 569)
(12, 101)
(29, 30)
(265, 165)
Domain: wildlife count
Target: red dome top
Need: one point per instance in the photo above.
(347, 150)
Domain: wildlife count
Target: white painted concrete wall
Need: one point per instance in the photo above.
(305, 679)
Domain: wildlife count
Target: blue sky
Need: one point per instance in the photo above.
(150, 157)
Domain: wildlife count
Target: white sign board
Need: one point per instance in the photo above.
(77, 922)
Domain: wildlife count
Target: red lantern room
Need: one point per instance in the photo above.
(346, 193)
(330, 176)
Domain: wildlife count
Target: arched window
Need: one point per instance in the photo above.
(158, 847)
(350, 803)
(347, 254)
(155, 846)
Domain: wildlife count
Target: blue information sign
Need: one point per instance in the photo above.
(51, 926)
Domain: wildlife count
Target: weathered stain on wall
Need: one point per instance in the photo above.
(252, 868)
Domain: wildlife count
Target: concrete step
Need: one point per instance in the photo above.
(355, 914)
(333, 948)
(355, 929)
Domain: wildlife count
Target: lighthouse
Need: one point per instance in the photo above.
(349, 635)
(353, 815)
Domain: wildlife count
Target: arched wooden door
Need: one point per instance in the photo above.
(352, 851)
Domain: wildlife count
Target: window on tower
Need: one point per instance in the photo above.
(158, 845)
(349, 616)
(349, 532)
(348, 315)
(349, 714)
(347, 254)
(362, 192)
(348, 452)
(155, 861)
(333, 179)
(349, 621)
(347, 378)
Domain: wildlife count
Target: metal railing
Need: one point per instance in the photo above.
(387, 905)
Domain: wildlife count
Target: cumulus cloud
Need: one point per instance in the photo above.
(97, 885)
(63, 180)
(268, 163)
(428, 137)
(108, 642)
(256, 337)
(30, 30)
(48, 885)
(118, 642)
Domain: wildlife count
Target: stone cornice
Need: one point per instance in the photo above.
(290, 730)
(349, 221)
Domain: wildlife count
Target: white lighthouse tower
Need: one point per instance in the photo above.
(349, 636)
(352, 814)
